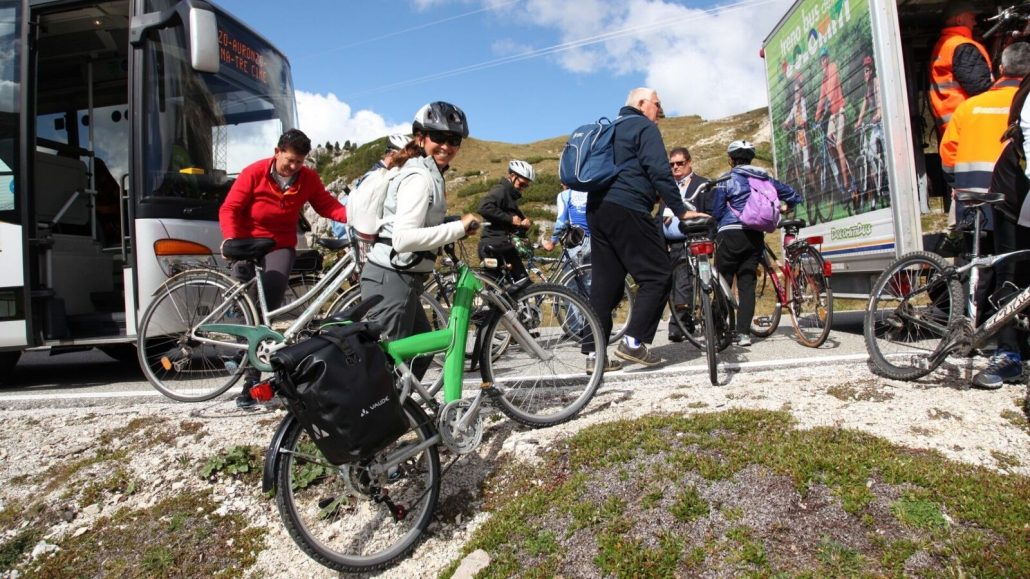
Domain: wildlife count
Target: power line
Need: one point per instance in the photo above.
(564, 46)
(407, 30)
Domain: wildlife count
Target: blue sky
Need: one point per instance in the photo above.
(362, 68)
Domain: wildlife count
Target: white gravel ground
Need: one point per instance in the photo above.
(938, 413)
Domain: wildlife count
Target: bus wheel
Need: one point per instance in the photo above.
(7, 363)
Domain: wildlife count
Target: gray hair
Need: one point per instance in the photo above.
(1015, 59)
(639, 94)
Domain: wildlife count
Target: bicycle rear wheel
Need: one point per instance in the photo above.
(811, 304)
(549, 389)
(910, 311)
(176, 364)
(711, 353)
(768, 308)
(331, 512)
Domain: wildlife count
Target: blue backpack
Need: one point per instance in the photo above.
(588, 160)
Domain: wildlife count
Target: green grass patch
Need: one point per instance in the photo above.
(570, 498)
(59, 474)
(14, 549)
(180, 536)
(238, 461)
(474, 189)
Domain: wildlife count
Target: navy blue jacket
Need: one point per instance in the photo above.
(638, 144)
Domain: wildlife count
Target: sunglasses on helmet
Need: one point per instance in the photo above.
(443, 137)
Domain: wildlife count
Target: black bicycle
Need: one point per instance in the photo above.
(915, 316)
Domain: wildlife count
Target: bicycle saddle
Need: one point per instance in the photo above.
(695, 225)
(491, 250)
(331, 243)
(792, 223)
(975, 198)
(247, 248)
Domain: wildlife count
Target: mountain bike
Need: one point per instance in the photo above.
(710, 308)
(367, 515)
(804, 290)
(915, 317)
(189, 364)
(872, 170)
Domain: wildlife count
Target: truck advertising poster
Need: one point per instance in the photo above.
(824, 102)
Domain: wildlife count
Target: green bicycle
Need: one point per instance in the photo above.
(366, 516)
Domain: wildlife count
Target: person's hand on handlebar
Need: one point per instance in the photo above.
(470, 223)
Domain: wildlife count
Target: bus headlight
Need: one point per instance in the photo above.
(177, 255)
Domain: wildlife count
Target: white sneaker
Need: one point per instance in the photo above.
(744, 340)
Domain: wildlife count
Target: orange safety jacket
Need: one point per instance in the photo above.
(945, 92)
(972, 143)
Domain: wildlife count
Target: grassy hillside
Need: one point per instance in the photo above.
(481, 163)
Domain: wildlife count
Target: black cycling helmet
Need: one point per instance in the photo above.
(441, 116)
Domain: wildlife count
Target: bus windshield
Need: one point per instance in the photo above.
(202, 129)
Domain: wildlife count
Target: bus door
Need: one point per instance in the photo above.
(80, 157)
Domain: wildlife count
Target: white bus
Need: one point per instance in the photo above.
(122, 126)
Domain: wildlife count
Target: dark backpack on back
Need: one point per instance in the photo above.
(587, 162)
(340, 388)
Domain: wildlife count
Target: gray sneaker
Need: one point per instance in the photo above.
(610, 365)
(641, 354)
(744, 340)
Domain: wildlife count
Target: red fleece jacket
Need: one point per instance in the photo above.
(256, 207)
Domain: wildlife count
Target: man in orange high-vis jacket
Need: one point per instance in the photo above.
(960, 66)
(972, 142)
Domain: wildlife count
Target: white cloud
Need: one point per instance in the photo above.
(327, 118)
(700, 61)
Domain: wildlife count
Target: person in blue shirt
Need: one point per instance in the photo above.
(738, 248)
(572, 212)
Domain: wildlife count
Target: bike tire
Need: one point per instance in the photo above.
(711, 343)
(768, 306)
(579, 278)
(544, 392)
(330, 513)
(912, 306)
(811, 304)
(178, 366)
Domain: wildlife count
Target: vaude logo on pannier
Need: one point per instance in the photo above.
(366, 411)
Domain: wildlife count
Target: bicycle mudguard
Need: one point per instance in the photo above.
(253, 334)
(273, 456)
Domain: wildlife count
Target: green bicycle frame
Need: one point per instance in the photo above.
(451, 339)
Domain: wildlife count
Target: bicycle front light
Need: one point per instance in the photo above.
(178, 255)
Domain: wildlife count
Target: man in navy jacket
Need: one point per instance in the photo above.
(623, 235)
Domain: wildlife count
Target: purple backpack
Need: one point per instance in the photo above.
(762, 208)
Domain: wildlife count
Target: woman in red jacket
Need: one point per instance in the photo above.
(266, 201)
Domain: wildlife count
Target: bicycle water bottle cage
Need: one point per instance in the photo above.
(695, 225)
(978, 198)
(249, 249)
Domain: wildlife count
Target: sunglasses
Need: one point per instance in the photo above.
(677, 163)
(445, 138)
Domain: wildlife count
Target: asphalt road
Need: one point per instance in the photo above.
(63, 379)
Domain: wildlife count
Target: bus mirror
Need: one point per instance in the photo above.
(203, 40)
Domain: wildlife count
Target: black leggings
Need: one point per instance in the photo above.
(736, 255)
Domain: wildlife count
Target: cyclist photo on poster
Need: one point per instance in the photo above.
(825, 108)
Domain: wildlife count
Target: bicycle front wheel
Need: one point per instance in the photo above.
(173, 360)
(341, 516)
(912, 306)
(711, 342)
(544, 383)
(811, 304)
(768, 307)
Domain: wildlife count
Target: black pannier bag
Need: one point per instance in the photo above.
(338, 385)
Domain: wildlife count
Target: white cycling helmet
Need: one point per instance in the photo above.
(741, 150)
(397, 142)
(522, 169)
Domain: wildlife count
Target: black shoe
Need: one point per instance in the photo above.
(677, 337)
(246, 402)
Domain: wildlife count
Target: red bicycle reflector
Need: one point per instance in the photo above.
(702, 248)
(262, 391)
(827, 269)
(815, 240)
